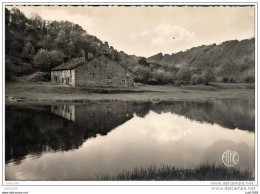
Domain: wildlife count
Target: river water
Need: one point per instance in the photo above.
(83, 141)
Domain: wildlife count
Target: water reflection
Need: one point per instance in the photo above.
(36, 129)
(230, 114)
(133, 134)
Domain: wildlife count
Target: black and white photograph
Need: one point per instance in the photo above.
(130, 94)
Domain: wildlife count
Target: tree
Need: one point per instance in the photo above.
(184, 74)
(18, 20)
(159, 75)
(250, 79)
(232, 80)
(36, 20)
(16, 40)
(117, 56)
(208, 76)
(7, 31)
(47, 42)
(169, 77)
(53, 29)
(71, 49)
(61, 40)
(142, 74)
(142, 61)
(29, 49)
(56, 58)
(225, 79)
(42, 60)
(31, 34)
(197, 79)
(28, 52)
(77, 29)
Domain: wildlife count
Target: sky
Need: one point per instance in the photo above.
(146, 31)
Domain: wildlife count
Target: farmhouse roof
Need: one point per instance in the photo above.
(73, 63)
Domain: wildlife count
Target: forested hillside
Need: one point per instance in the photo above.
(230, 61)
(33, 46)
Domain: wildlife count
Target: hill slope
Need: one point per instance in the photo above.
(34, 45)
(233, 59)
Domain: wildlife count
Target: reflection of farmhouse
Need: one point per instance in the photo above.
(47, 132)
(100, 71)
(65, 111)
(96, 118)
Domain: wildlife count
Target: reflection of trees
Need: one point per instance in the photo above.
(33, 130)
(228, 113)
(100, 118)
(141, 109)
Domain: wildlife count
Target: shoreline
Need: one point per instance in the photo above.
(83, 101)
(46, 93)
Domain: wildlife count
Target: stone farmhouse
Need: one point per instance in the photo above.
(94, 72)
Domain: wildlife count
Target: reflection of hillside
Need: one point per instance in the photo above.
(229, 113)
(33, 130)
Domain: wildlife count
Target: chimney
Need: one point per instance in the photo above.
(83, 55)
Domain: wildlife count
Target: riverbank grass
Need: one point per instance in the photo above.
(204, 172)
(46, 92)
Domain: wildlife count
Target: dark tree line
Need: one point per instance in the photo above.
(152, 73)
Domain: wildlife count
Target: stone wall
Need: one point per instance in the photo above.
(103, 72)
(63, 77)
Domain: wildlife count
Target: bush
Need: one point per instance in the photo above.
(48, 59)
(142, 74)
(56, 58)
(184, 74)
(42, 60)
(152, 81)
(142, 61)
(232, 80)
(197, 79)
(250, 79)
(208, 76)
(225, 79)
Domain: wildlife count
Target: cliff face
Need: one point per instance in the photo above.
(234, 59)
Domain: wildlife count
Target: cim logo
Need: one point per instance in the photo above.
(230, 158)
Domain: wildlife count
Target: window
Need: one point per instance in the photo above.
(123, 80)
(62, 80)
(55, 78)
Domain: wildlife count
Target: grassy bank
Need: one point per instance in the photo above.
(46, 92)
(204, 172)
